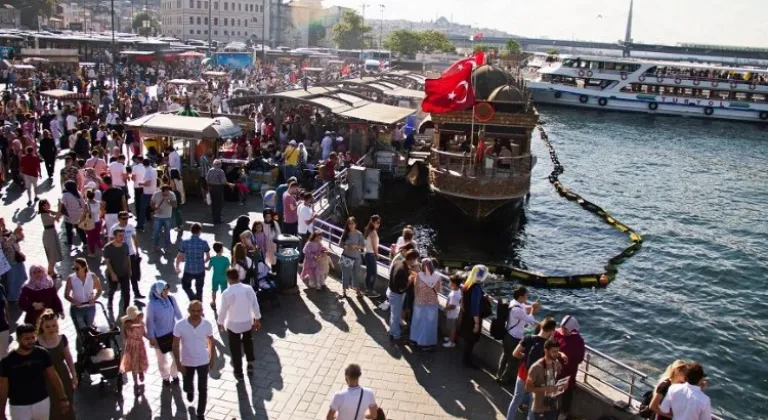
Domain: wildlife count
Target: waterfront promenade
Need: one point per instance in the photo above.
(301, 350)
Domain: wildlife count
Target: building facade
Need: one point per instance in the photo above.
(227, 20)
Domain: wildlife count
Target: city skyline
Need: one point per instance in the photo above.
(741, 23)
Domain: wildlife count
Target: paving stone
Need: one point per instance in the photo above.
(301, 350)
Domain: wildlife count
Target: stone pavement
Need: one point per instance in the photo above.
(301, 350)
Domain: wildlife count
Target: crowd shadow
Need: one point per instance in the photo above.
(171, 397)
(330, 308)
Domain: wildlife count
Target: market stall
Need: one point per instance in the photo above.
(195, 135)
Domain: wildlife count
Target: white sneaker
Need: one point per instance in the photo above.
(384, 306)
(562, 416)
(449, 344)
(446, 339)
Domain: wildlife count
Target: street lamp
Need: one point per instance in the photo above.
(381, 28)
(146, 25)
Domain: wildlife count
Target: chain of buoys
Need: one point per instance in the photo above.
(572, 281)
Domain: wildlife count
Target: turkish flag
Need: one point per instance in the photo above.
(475, 61)
(449, 93)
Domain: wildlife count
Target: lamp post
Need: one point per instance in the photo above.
(381, 28)
(263, 33)
(210, 27)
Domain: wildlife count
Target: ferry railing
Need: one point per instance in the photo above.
(489, 167)
(321, 195)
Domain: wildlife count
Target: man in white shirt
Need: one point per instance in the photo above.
(326, 145)
(194, 353)
(71, 121)
(354, 402)
(119, 174)
(520, 315)
(306, 217)
(687, 401)
(149, 184)
(137, 175)
(112, 117)
(133, 248)
(239, 316)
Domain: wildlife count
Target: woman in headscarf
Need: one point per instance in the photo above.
(271, 232)
(472, 317)
(39, 294)
(425, 307)
(73, 207)
(242, 225)
(572, 345)
(161, 316)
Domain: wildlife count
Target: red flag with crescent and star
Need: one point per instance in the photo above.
(476, 60)
(449, 93)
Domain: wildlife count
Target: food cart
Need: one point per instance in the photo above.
(195, 135)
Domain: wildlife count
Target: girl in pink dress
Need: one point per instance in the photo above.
(312, 271)
(135, 356)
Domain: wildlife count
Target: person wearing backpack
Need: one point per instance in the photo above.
(519, 315)
(245, 265)
(530, 350)
(475, 307)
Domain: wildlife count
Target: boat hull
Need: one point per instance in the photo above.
(482, 210)
(544, 93)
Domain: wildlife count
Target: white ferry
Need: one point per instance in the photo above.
(656, 87)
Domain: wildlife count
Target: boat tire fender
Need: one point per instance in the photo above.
(623, 76)
(581, 73)
(653, 106)
(641, 78)
(733, 85)
(583, 99)
(709, 110)
(715, 83)
(678, 81)
(660, 79)
(558, 94)
(752, 86)
(589, 73)
(696, 82)
(602, 101)
(764, 116)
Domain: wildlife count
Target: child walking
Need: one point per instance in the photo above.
(452, 309)
(135, 357)
(220, 264)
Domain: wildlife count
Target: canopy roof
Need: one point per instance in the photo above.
(186, 82)
(345, 104)
(216, 74)
(134, 52)
(64, 95)
(405, 93)
(170, 125)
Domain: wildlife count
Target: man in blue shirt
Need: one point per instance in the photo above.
(195, 253)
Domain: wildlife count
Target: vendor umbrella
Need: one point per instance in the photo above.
(192, 54)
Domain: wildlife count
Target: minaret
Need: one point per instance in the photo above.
(628, 35)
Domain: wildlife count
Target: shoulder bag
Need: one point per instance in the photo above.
(165, 342)
(86, 222)
(359, 401)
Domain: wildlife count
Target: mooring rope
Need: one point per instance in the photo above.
(576, 280)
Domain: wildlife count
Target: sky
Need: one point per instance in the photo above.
(733, 22)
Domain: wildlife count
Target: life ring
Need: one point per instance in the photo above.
(764, 115)
(641, 78)
(659, 79)
(752, 86)
(653, 106)
(709, 110)
(589, 73)
(602, 101)
(733, 85)
(558, 94)
(696, 82)
(715, 83)
(581, 73)
(583, 99)
(623, 76)
(678, 80)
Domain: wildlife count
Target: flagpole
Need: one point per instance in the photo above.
(472, 129)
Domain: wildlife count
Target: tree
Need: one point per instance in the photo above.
(138, 24)
(513, 47)
(404, 42)
(315, 33)
(481, 47)
(432, 41)
(349, 33)
(553, 51)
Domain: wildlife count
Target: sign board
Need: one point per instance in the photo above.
(75, 26)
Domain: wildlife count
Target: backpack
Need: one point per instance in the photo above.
(499, 324)
(250, 272)
(486, 308)
(538, 343)
(645, 406)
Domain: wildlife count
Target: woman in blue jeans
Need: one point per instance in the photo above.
(353, 242)
(371, 236)
(83, 289)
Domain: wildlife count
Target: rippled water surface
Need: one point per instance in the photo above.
(696, 190)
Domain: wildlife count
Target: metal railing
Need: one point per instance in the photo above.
(490, 167)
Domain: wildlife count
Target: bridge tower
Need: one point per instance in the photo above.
(628, 36)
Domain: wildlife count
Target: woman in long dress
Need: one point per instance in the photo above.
(57, 345)
(51, 241)
(271, 232)
(18, 273)
(135, 357)
(425, 308)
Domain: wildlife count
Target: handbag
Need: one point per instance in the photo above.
(346, 262)
(86, 221)
(359, 401)
(165, 343)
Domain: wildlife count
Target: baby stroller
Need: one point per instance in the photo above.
(265, 287)
(99, 353)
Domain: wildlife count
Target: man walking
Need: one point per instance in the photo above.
(195, 253)
(162, 202)
(239, 316)
(355, 402)
(28, 369)
(113, 201)
(194, 353)
(306, 215)
(137, 175)
(133, 248)
(149, 186)
(520, 315)
(216, 180)
(118, 262)
(29, 166)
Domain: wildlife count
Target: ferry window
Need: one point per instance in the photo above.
(199, 4)
(191, 4)
(239, 7)
(216, 32)
(191, 32)
(191, 20)
(226, 6)
(216, 22)
(198, 20)
(205, 5)
(215, 5)
(245, 22)
(225, 33)
(198, 31)
(225, 21)
(205, 32)
(205, 21)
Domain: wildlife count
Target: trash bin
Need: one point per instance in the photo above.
(287, 256)
(287, 268)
